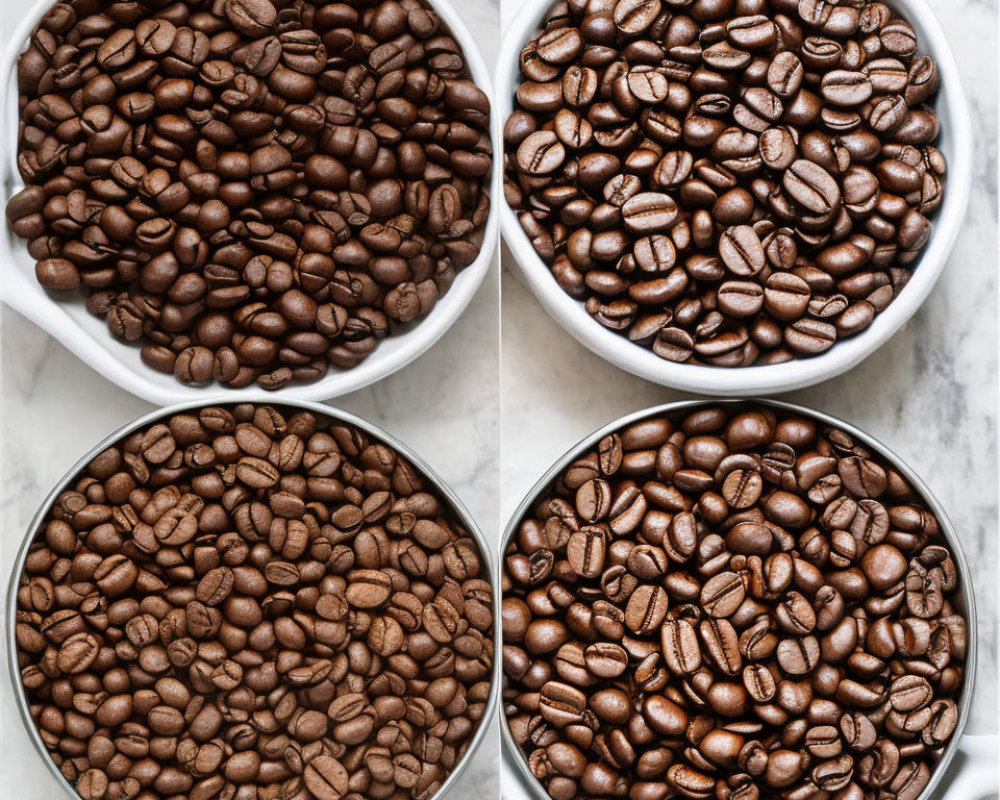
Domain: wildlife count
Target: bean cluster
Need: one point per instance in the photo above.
(726, 182)
(236, 604)
(737, 605)
(254, 190)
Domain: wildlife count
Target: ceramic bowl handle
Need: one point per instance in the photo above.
(975, 772)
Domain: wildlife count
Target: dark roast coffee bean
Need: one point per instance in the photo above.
(307, 619)
(255, 191)
(702, 175)
(775, 618)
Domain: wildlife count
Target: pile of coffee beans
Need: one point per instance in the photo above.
(731, 604)
(252, 602)
(726, 182)
(254, 190)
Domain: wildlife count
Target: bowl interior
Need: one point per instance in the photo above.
(433, 481)
(965, 602)
(67, 319)
(956, 144)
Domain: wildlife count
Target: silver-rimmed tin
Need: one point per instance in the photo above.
(520, 784)
(433, 480)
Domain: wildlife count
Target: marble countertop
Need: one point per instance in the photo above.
(53, 409)
(930, 394)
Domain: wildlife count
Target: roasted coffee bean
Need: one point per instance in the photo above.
(605, 659)
(703, 175)
(585, 552)
(647, 606)
(741, 251)
(775, 619)
(265, 598)
(254, 191)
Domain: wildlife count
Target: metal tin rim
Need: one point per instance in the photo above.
(457, 506)
(512, 753)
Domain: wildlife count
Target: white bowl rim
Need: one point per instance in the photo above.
(953, 109)
(105, 355)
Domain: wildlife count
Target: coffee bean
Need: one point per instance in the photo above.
(690, 782)
(910, 692)
(605, 659)
(57, 273)
(785, 74)
(728, 145)
(777, 148)
(751, 32)
(541, 153)
(722, 594)
(647, 606)
(759, 683)
(77, 653)
(649, 212)
(742, 488)
(741, 251)
(593, 500)
(724, 57)
(810, 336)
(368, 588)
(585, 552)
(844, 88)
(561, 704)
(798, 656)
(722, 643)
(664, 716)
(812, 187)
(786, 296)
(257, 473)
(774, 614)
(680, 646)
(648, 84)
(326, 778)
(634, 16)
(269, 627)
(944, 718)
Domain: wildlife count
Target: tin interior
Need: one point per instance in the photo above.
(433, 480)
(512, 753)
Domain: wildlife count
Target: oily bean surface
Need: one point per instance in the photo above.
(763, 609)
(726, 183)
(250, 601)
(252, 191)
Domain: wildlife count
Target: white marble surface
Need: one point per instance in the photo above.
(54, 409)
(930, 394)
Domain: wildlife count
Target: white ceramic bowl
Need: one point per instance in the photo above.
(955, 142)
(88, 337)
